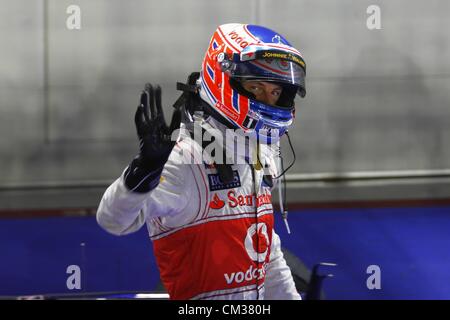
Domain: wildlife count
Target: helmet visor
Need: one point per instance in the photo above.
(274, 70)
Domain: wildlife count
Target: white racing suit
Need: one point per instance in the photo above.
(211, 240)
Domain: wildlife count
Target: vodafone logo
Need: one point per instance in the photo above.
(257, 242)
(239, 39)
(257, 247)
(249, 275)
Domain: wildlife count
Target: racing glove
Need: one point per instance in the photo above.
(155, 143)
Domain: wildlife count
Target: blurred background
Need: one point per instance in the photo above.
(371, 181)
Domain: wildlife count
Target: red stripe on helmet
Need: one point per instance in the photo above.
(244, 104)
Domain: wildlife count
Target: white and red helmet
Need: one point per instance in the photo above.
(240, 52)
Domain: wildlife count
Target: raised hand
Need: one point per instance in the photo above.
(155, 141)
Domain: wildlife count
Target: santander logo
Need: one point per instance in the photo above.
(234, 201)
(216, 203)
(248, 200)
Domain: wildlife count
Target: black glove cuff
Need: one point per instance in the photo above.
(143, 176)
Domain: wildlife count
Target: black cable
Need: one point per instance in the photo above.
(293, 152)
(284, 200)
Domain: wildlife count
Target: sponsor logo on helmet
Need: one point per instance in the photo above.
(284, 56)
(238, 39)
(226, 111)
(278, 55)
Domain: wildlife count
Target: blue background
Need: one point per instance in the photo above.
(410, 245)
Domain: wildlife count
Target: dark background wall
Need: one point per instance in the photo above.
(377, 99)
